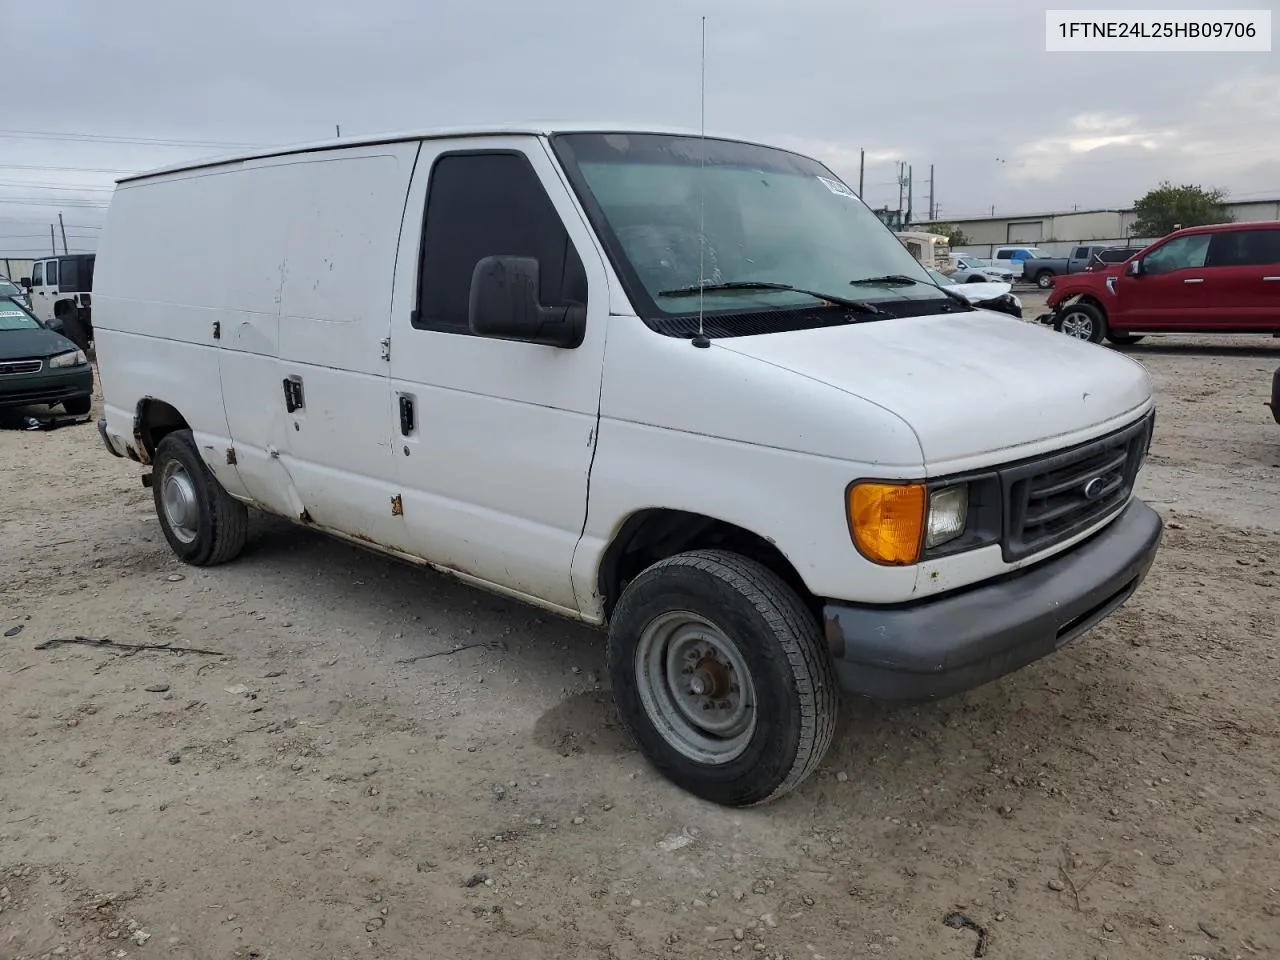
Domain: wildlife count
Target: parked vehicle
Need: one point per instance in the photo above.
(1274, 404)
(931, 250)
(795, 465)
(1042, 270)
(978, 270)
(61, 295)
(38, 366)
(1015, 257)
(988, 296)
(11, 291)
(1214, 279)
(1105, 258)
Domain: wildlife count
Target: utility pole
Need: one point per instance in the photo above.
(902, 183)
(932, 213)
(53, 244)
(63, 227)
(862, 169)
(911, 191)
(337, 128)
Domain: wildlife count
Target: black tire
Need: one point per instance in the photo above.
(1123, 339)
(976, 279)
(1071, 320)
(78, 406)
(216, 532)
(778, 642)
(1044, 279)
(75, 330)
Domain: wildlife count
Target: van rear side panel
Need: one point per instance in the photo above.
(161, 281)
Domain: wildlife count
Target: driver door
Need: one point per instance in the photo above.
(1169, 292)
(493, 439)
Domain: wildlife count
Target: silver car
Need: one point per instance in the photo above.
(976, 270)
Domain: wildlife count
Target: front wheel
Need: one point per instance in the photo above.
(1123, 339)
(1082, 321)
(721, 673)
(78, 406)
(203, 523)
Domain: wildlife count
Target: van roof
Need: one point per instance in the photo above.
(530, 128)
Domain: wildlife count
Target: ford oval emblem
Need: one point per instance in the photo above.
(1093, 488)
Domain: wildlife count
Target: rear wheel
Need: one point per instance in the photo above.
(1044, 279)
(722, 675)
(1083, 321)
(203, 523)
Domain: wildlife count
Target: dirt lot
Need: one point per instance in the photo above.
(378, 762)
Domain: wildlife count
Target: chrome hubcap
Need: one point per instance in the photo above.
(695, 687)
(1077, 325)
(178, 498)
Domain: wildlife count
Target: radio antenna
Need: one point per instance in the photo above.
(701, 339)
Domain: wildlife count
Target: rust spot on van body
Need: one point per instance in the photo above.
(231, 456)
(397, 506)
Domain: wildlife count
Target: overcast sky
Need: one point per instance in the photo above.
(966, 87)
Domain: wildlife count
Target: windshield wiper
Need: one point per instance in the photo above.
(888, 280)
(694, 289)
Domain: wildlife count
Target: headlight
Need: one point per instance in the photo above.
(75, 358)
(948, 513)
(1016, 302)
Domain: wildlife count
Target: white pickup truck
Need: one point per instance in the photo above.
(690, 390)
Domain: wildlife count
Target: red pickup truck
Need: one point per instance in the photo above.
(1223, 278)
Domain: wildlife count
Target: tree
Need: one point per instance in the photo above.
(955, 236)
(1168, 207)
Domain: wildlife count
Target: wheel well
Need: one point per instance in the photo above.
(155, 419)
(653, 535)
(1085, 299)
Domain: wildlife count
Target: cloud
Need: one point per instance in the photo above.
(925, 82)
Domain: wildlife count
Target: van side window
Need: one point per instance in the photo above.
(37, 275)
(481, 205)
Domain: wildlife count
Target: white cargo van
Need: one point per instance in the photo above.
(693, 391)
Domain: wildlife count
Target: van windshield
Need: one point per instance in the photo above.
(748, 218)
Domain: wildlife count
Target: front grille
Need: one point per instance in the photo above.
(1051, 499)
(10, 368)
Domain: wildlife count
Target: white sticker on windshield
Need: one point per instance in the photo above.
(838, 188)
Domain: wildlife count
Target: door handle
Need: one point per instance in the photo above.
(1271, 279)
(293, 393)
(1194, 280)
(406, 415)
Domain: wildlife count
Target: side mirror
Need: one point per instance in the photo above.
(1133, 268)
(25, 283)
(504, 304)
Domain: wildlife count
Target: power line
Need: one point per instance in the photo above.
(34, 185)
(45, 166)
(102, 138)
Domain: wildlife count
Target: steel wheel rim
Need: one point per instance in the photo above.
(179, 502)
(1078, 325)
(695, 687)
(1045, 283)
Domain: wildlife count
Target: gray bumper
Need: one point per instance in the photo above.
(938, 647)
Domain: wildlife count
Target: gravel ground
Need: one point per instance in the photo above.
(374, 761)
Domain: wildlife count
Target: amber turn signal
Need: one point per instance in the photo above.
(886, 520)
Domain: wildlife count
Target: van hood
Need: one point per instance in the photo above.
(968, 384)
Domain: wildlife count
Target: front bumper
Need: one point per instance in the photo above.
(959, 641)
(50, 386)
